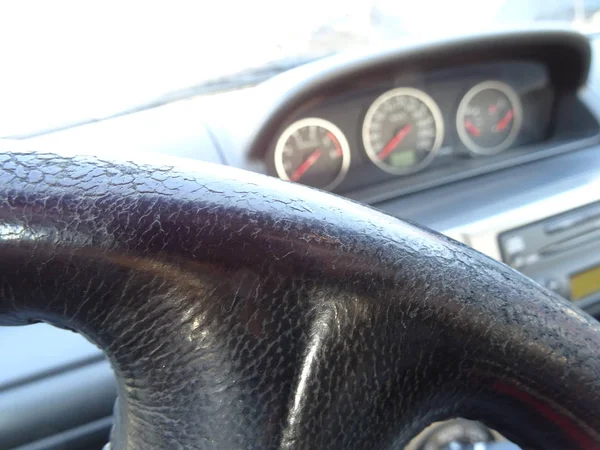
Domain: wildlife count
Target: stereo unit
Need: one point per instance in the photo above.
(560, 252)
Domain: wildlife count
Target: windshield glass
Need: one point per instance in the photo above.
(72, 61)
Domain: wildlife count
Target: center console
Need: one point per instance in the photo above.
(555, 241)
(561, 252)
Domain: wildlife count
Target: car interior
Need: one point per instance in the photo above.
(347, 253)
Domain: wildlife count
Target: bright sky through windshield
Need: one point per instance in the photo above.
(69, 61)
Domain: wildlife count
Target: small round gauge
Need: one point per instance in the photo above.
(489, 117)
(403, 130)
(457, 434)
(312, 151)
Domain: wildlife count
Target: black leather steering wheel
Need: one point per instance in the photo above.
(240, 311)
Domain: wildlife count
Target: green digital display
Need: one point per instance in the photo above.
(403, 158)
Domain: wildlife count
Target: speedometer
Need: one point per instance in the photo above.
(403, 130)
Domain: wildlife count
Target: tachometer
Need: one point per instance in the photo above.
(488, 119)
(403, 130)
(312, 151)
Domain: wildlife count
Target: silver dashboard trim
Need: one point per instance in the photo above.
(483, 234)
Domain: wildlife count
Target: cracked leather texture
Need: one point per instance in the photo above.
(240, 311)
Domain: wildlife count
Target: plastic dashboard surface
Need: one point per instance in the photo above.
(61, 375)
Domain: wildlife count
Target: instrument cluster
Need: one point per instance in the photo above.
(416, 120)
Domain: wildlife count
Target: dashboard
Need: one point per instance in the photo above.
(488, 139)
(389, 124)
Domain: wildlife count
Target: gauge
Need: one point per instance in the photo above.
(403, 130)
(488, 119)
(312, 151)
(457, 434)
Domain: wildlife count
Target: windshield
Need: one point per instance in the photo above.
(71, 62)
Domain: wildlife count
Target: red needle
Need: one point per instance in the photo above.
(501, 125)
(390, 146)
(306, 165)
(338, 147)
(471, 128)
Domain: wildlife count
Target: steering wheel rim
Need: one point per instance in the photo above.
(240, 311)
